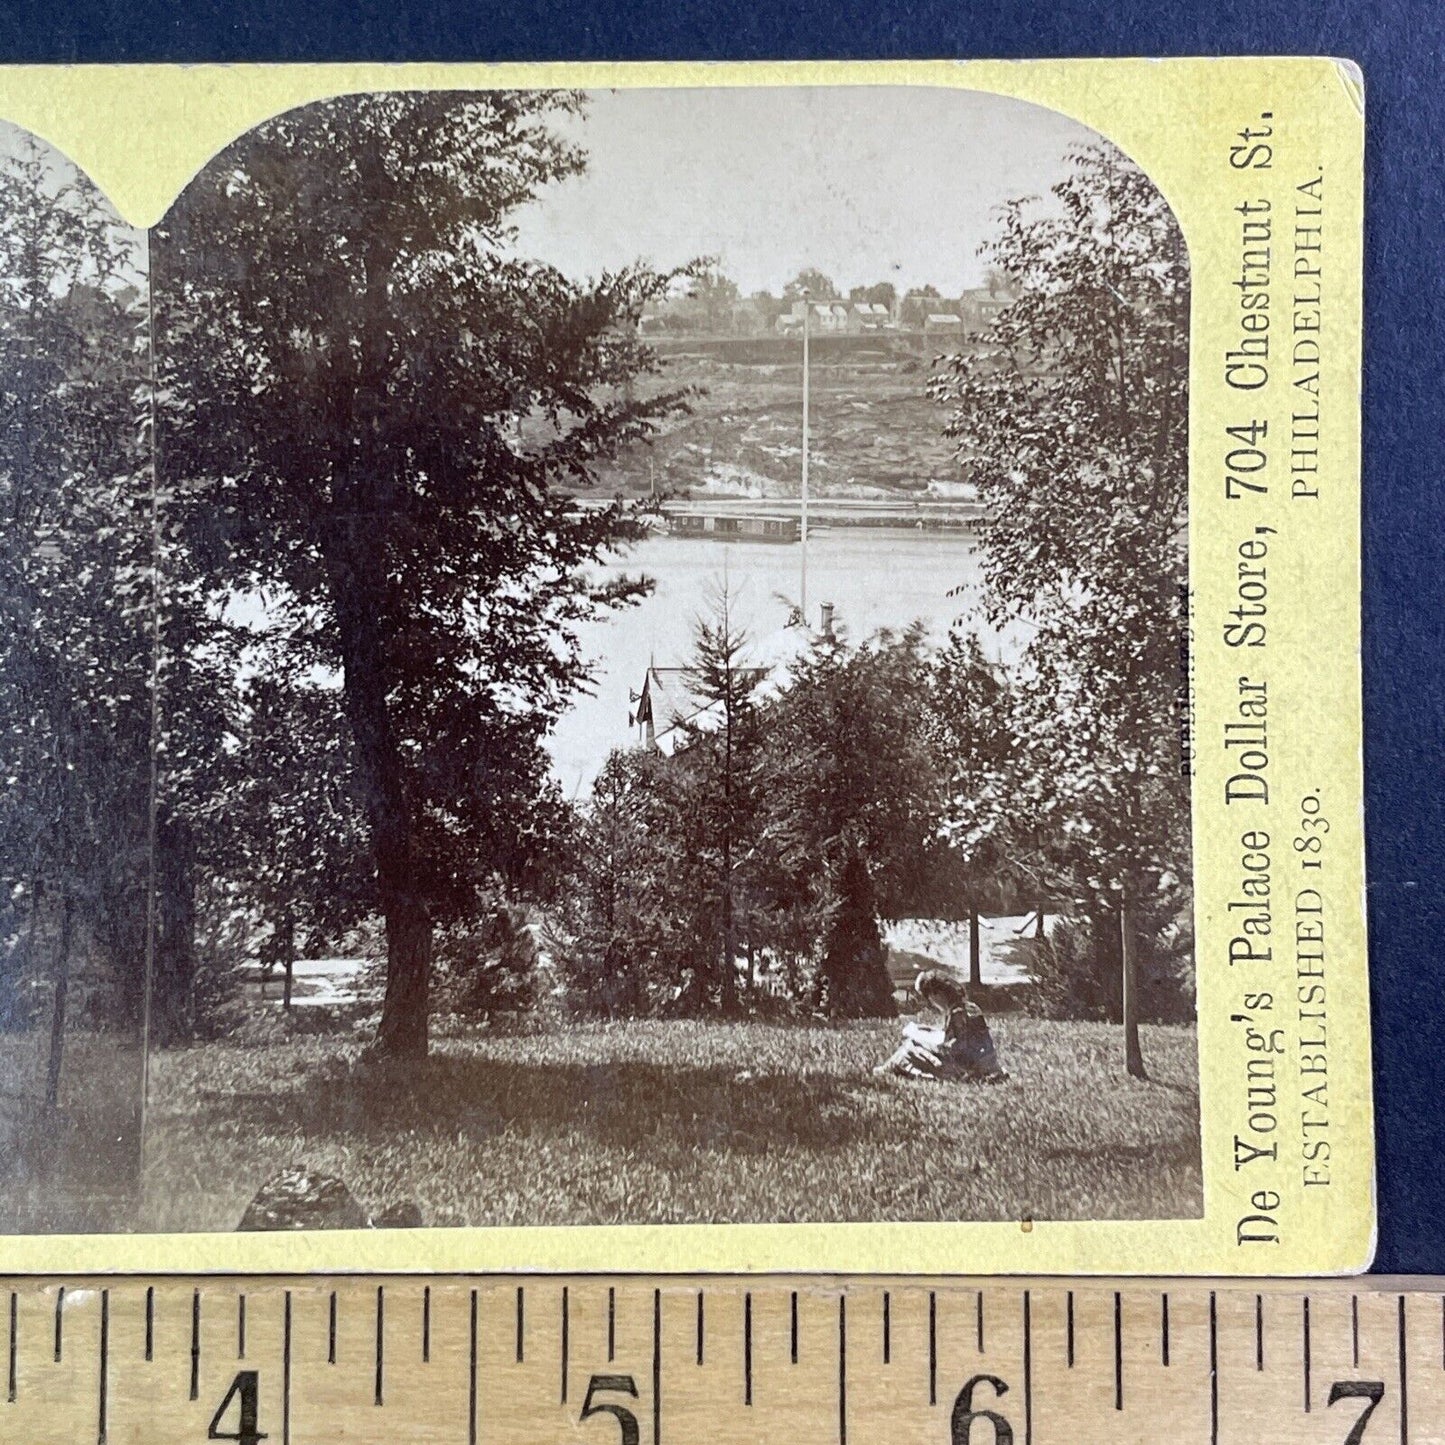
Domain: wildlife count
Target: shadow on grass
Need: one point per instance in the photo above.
(619, 1103)
(74, 1167)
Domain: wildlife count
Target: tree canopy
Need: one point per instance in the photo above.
(1071, 418)
(378, 415)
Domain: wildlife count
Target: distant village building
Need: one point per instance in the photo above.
(979, 306)
(734, 529)
(825, 317)
(665, 712)
(942, 323)
(662, 707)
(870, 316)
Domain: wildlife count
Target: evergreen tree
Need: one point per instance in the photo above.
(720, 773)
(853, 805)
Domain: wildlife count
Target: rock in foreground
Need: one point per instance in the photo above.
(300, 1198)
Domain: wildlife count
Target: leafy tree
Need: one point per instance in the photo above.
(287, 825)
(376, 411)
(968, 721)
(812, 280)
(918, 303)
(615, 923)
(74, 582)
(717, 294)
(1072, 419)
(882, 293)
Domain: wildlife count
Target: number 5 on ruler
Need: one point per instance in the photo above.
(625, 1418)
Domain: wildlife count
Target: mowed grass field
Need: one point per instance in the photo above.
(679, 1121)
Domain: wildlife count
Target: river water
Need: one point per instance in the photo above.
(874, 578)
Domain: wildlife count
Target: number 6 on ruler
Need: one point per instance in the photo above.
(964, 1414)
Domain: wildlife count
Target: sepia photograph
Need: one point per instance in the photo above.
(608, 657)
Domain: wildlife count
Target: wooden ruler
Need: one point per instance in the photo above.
(634, 1361)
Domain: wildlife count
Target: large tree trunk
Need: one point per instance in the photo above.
(358, 585)
(1133, 1054)
(403, 1028)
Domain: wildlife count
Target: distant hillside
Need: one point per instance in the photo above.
(874, 432)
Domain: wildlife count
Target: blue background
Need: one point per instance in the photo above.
(1399, 47)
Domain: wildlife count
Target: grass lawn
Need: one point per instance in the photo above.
(673, 1121)
(74, 1169)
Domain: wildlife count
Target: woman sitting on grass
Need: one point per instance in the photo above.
(960, 1047)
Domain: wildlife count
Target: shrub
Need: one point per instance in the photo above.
(1077, 970)
(486, 966)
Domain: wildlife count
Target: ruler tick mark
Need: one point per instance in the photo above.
(1355, 1329)
(1307, 1353)
(472, 1378)
(150, 1321)
(1164, 1329)
(1259, 1332)
(1069, 1328)
(699, 1327)
(842, 1370)
(566, 1341)
(380, 1341)
(285, 1367)
(1118, 1351)
(426, 1325)
(241, 1327)
(195, 1344)
(611, 1324)
(932, 1348)
(980, 1322)
(793, 1328)
(104, 1403)
(887, 1330)
(747, 1349)
(1028, 1372)
(59, 1318)
(657, 1367)
(331, 1332)
(1213, 1371)
(521, 1322)
(14, 1340)
(1404, 1381)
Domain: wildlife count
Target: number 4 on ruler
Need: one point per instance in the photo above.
(245, 1390)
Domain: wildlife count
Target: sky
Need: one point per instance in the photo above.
(866, 183)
